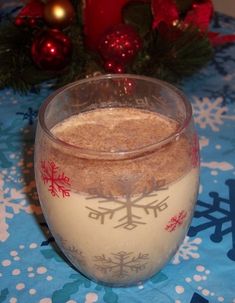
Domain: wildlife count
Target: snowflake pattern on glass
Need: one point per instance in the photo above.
(58, 183)
(74, 255)
(129, 204)
(64, 284)
(176, 221)
(210, 213)
(121, 264)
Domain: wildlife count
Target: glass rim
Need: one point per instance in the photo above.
(91, 153)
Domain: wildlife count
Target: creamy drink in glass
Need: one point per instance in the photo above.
(117, 172)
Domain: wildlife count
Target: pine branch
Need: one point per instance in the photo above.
(16, 67)
(78, 60)
(17, 70)
(138, 15)
(173, 55)
(80, 57)
(170, 54)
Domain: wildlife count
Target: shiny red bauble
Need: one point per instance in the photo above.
(51, 50)
(111, 66)
(120, 44)
(101, 15)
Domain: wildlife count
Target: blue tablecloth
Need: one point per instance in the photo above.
(32, 269)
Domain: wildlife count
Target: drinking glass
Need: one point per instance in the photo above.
(117, 174)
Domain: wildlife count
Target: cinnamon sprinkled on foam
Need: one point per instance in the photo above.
(114, 130)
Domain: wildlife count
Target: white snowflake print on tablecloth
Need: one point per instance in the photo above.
(91, 297)
(203, 142)
(12, 202)
(24, 274)
(210, 113)
(199, 280)
(223, 166)
(9, 143)
(188, 249)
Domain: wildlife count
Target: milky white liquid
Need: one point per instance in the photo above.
(129, 244)
(70, 220)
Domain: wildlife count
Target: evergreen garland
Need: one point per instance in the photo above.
(171, 60)
(162, 56)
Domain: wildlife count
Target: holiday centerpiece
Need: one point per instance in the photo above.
(65, 40)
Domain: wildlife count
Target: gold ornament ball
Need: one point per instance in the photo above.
(59, 13)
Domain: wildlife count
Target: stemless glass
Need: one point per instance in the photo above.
(117, 173)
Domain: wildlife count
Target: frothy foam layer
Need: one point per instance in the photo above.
(114, 130)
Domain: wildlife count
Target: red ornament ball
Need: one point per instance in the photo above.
(51, 50)
(121, 44)
(114, 67)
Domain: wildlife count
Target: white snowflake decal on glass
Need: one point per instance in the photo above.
(188, 249)
(210, 113)
(12, 202)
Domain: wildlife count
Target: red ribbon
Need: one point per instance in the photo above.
(200, 15)
(164, 11)
(33, 8)
(216, 39)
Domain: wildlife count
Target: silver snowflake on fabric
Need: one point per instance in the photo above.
(121, 264)
(188, 249)
(210, 113)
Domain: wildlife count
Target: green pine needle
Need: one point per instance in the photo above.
(174, 59)
(170, 56)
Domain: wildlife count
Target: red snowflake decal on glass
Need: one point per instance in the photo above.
(195, 151)
(58, 182)
(176, 221)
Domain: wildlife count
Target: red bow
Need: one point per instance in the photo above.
(200, 15)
